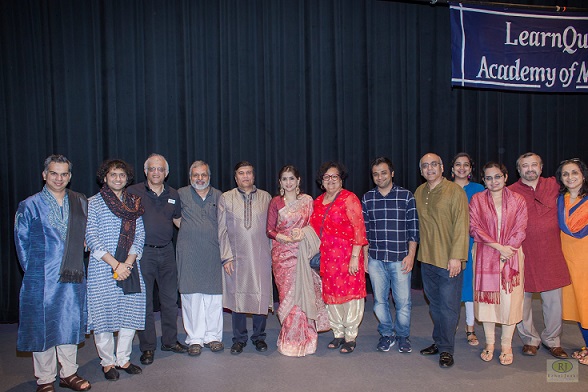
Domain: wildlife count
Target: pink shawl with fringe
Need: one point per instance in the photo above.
(484, 229)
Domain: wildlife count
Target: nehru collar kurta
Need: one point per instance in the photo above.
(51, 313)
(241, 232)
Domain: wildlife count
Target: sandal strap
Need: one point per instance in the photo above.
(348, 346)
(45, 387)
(74, 382)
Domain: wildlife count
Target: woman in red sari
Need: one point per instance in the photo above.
(498, 220)
(301, 315)
(338, 221)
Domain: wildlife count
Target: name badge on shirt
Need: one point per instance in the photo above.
(171, 201)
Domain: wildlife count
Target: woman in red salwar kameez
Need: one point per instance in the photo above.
(338, 220)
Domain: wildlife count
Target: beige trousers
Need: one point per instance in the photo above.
(345, 318)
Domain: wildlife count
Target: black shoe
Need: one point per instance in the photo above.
(260, 345)
(147, 357)
(131, 369)
(237, 348)
(177, 348)
(431, 350)
(112, 374)
(445, 360)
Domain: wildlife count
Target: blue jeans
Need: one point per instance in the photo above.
(444, 295)
(385, 276)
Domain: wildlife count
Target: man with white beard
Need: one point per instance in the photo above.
(199, 263)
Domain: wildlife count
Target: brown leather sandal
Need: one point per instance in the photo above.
(46, 387)
(74, 382)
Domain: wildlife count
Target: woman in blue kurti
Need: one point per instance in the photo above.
(115, 236)
(462, 167)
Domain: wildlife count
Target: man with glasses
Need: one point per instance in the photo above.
(546, 271)
(245, 254)
(162, 210)
(392, 228)
(442, 206)
(199, 263)
(49, 231)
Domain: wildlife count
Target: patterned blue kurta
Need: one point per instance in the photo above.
(109, 309)
(51, 313)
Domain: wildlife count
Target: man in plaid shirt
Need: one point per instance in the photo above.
(392, 227)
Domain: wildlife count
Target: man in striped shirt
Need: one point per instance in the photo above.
(392, 227)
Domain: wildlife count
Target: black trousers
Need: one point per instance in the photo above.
(159, 265)
(240, 327)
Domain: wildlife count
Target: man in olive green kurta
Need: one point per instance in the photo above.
(444, 224)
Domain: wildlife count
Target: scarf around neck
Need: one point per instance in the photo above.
(573, 219)
(489, 278)
(129, 209)
(72, 229)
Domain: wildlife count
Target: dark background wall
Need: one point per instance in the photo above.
(272, 82)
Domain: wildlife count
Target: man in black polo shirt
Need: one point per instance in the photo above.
(158, 264)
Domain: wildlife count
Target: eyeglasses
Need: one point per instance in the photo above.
(204, 175)
(496, 177)
(426, 165)
(333, 177)
(154, 169)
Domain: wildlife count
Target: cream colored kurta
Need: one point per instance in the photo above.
(242, 238)
(510, 309)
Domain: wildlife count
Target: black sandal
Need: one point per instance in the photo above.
(348, 347)
(336, 343)
(472, 338)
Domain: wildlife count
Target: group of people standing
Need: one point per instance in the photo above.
(492, 255)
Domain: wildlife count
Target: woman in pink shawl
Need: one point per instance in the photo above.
(302, 311)
(498, 219)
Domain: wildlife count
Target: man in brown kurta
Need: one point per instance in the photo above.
(546, 271)
(246, 257)
(443, 212)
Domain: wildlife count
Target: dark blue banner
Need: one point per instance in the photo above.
(516, 49)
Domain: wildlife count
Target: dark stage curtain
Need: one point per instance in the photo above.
(272, 82)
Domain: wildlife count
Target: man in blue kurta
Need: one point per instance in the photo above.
(49, 234)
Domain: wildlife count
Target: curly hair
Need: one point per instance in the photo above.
(110, 164)
(325, 167)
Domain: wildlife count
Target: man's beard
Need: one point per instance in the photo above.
(200, 187)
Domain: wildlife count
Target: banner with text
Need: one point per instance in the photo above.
(524, 50)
